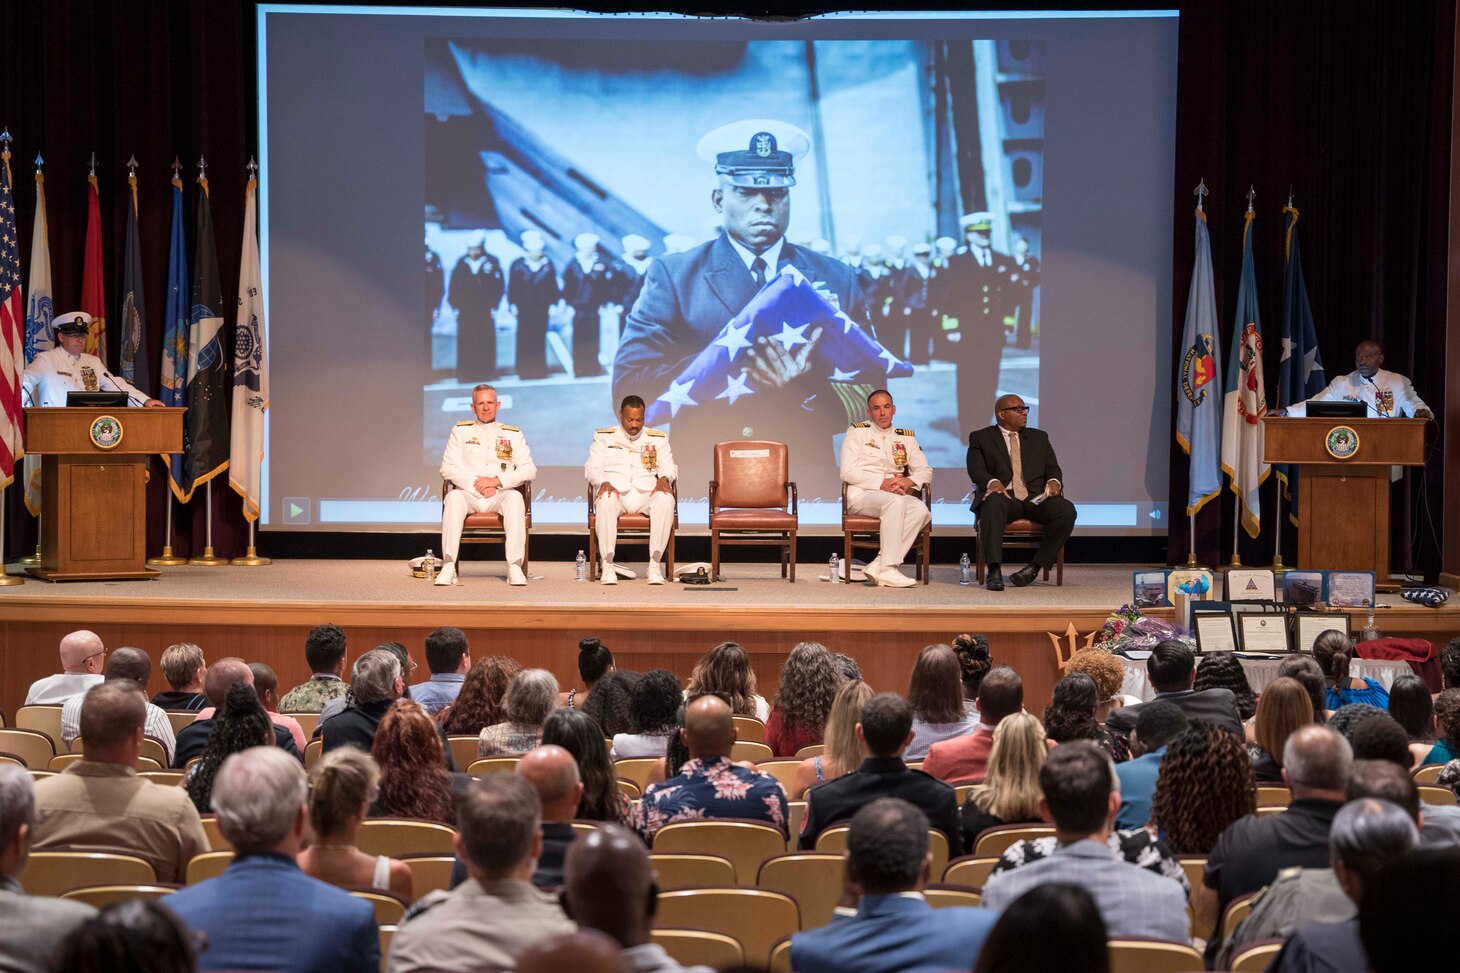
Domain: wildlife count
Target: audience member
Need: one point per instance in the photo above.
(376, 682)
(342, 786)
(935, 692)
(449, 660)
(266, 687)
(1440, 823)
(810, 678)
(676, 754)
(531, 697)
(886, 729)
(575, 732)
(1450, 665)
(1070, 715)
(581, 951)
(609, 702)
(1172, 671)
(1223, 670)
(486, 922)
(244, 724)
(263, 913)
(594, 662)
(711, 785)
(964, 758)
(893, 927)
(184, 667)
(479, 704)
(1082, 797)
(414, 782)
(1055, 926)
(610, 888)
(1009, 793)
(130, 936)
(1447, 721)
(324, 650)
(725, 670)
(136, 666)
(1411, 704)
(1401, 931)
(844, 751)
(553, 773)
(100, 802)
(848, 666)
(81, 661)
(1346, 719)
(1310, 676)
(1205, 784)
(975, 659)
(193, 738)
(655, 701)
(1109, 676)
(1334, 652)
(1284, 707)
(1382, 738)
(407, 667)
(1157, 725)
(31, 926)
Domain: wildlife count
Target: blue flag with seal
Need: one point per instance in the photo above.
(1199, 406)
(205, 431)
(1246, 398)
(173, 382)
(1300, 372)
(134, 364)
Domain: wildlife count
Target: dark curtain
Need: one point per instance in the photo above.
(1348, 104)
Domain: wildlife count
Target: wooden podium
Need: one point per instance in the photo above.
(1343, 513)
(93, 488)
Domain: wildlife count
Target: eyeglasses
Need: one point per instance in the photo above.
(1015, 408)
(95, 654)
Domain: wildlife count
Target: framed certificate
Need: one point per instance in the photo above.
(1307, 626)
(1251, 585)
(1264, 634)
(1215, 632)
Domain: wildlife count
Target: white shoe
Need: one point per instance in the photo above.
(870, 571)
(447, 576)
(515, 577)
(891, 577)
(656, 573)
(609, 574)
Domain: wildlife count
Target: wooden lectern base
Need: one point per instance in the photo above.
(47, 575)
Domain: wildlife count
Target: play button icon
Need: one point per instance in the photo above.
(296, 511)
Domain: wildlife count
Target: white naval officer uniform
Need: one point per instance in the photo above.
(868, 461)
(632, 467)
(1389, 394)
(55, 372)
(475, 449)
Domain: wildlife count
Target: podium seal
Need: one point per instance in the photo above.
(106, 432)
(1342, 442)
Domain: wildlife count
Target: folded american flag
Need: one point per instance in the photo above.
(787, 309)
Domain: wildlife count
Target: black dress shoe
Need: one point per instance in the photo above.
(1025, 575)
(995, 579)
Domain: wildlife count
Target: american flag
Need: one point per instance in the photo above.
(12, 327)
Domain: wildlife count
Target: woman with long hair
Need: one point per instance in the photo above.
(531, 697)
(610, 701)
(1055, 926)
(1223, 670)
(1310, 676)
(1334, 653)
(479, 704)
(1010, 790)
(243, 723)
(1447, 721)
(725, 670)
(655, 701)
(413, 778)
(575, 731)
(342, 786)
(975, 659)
(1206, 783)
(935, 693)
(1070, 715)
(810, 678)
(1284, 707)
(844, 751)
(1413, 708)
(594, 662)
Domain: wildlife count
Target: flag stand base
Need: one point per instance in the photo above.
(1278, 567)
(208, 558)
(7, 580)
(32, 559)
(166, 558)
(1233, 565)
(1191, 562)
(251, 559)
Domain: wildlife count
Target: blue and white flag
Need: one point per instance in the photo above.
(785, 310)
(1300, 373)
(250, 369)
(40, 307)
(1199, 406)
(173, 383)
(1246, 399)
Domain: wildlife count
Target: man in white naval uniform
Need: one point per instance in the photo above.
(882, 467)
(486, 461)
(66, 368)
(630, 469)
(1385, 393)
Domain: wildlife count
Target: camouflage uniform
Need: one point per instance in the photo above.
(311, 697)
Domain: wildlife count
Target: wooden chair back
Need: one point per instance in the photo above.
(745, 843)
(54, 872)
(757, 918)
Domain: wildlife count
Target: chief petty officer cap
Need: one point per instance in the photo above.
(76, 322)
(756, 153)
(979, 222)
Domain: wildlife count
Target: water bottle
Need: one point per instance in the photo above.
(964, 569)
(581, 568)
(835, 566)
(429, 565)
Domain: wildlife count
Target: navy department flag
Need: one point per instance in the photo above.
(173, 382)
(12, 329)
(785, 310)
(250, 369)
(205, 433)
(1246, 400)
(1199, 405)
(134, 365)
(40, 308)
(1300, 373)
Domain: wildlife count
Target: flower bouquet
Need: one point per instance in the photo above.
(1127, 629)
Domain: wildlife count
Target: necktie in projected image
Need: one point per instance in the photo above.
(1021, 492)
(757, 270)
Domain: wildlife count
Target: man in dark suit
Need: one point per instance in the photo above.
(886, 729)
(978, 292)
(688, 297)
(1172, 671)
(914, 309)
(192, 739)
(1015, 475)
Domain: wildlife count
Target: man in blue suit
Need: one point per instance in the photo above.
(263, 913)
(688, 297)
(893, 928)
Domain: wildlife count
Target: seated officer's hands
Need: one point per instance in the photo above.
(662, 486)
(606, 488)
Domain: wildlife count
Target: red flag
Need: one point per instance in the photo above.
(93, 295)
(12, 327)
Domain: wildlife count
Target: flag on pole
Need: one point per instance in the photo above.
(205, 439)
(250, 368)
(12, 327)
(174, 374)
(1199, 408)
(1300, 373)
(93, 293)
(40, 308)
(134, 365)
(1246, 401)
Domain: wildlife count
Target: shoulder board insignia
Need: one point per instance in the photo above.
(509, 428)
(424, 904)
(467, 422)
(654, 432)
(861, 425)
(1290, 873)
(604, 432)
(907, 432)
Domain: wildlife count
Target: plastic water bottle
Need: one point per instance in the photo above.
(963, 570)
(581, 568)
(835, 566)
(429, 565)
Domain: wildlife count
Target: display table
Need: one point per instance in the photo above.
(1260, 672)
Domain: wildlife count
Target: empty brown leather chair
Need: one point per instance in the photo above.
(753, 500)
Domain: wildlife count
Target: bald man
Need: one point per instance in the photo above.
(553, 773)
(582, 952)
(711, 785)
(135, 666)
(81, 659)
(221, 677)
(610, 889)
(1384, 393)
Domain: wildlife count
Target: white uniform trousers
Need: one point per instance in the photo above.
(661, 518)
(508, 503)
(902, 517)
